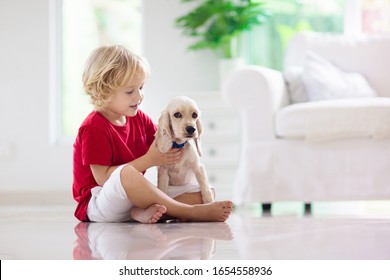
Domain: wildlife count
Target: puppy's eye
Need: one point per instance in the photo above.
(194, 115)
(177, 115)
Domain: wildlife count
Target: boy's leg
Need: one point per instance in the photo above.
(111, 204)
(150, 215)
(143, 194)
(192, 197)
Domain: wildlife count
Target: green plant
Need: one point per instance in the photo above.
(216, 24)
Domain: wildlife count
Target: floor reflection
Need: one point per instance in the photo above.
(119, 241)
(309, 238)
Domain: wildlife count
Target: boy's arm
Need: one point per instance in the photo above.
(152, 158)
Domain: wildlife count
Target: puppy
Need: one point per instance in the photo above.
(180, 127)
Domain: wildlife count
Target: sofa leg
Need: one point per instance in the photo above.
(266, 207)
(307, 206)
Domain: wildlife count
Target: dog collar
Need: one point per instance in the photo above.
(178, 146)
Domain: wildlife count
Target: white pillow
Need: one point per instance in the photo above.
(323, 80)
(295, 85)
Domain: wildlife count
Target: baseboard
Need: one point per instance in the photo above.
(36, 198)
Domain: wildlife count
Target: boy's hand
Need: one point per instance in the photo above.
(158, 158)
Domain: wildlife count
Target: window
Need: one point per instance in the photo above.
(78, 28)
(267, 43)
(375, 16)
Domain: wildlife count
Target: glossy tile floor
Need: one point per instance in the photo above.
(344, 231)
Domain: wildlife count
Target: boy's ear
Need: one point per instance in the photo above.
(164, 135)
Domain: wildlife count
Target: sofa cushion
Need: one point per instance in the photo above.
(323, 80)
(367, 54)
(295, 86)
(319, 79)
(335, 119)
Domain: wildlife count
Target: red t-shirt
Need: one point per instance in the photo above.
(101, 142)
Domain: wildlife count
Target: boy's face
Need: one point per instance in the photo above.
(125, 101)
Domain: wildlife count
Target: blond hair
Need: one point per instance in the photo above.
(109, 68)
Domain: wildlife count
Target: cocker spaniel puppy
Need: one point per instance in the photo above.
(180, 127)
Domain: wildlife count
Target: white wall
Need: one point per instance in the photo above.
(34, 165)
(174, 69)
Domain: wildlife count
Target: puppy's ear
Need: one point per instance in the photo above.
(198, 146)
(164, 133)
(199, 128)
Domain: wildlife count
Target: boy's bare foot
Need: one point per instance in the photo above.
(150, 215)
(211, 212)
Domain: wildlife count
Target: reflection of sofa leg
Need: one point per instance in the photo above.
(266, 208)
(307, 208)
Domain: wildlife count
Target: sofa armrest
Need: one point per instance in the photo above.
(258, 92)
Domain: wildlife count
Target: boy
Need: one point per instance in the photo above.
(115, 145)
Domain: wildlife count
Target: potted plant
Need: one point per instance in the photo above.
(217, 24)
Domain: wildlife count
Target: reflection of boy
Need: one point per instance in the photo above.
(162, 241)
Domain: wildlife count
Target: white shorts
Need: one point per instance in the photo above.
(111, 204)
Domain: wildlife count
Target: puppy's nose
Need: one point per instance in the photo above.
(190, 130)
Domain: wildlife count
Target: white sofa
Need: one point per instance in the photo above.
(324, 150)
